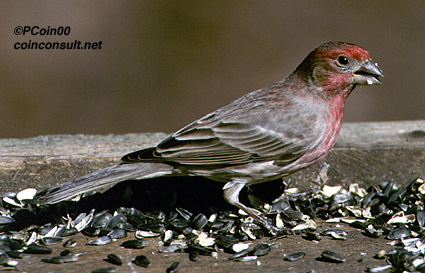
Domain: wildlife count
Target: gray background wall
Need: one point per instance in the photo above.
(165, 63)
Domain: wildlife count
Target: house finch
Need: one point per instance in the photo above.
(264, 135)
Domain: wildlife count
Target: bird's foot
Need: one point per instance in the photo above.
(272, 229)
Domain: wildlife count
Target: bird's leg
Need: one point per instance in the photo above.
(231, 195)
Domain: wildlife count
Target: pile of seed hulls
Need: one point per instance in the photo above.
(396, 212)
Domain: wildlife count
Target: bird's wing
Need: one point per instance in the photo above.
(211, 142)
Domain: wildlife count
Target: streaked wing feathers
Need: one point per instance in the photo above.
(221, 144)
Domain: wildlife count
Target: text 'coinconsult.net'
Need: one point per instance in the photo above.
(42, 32)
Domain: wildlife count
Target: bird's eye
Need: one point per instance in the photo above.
(342, 60)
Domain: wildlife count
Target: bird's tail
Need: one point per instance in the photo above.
(102, 179)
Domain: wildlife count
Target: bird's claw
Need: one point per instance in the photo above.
(273, 230)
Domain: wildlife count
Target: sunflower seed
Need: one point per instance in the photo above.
(113, 259)
(91, 231)
(105, 270)
(61, 259)
(400, 218)
(14, 254)
(134, 216)
(294, 256)
(171, 249)
(184, 213)
(168, 235)
(247, 259)
(141, 260)
(399, 233)
(4, 220)
(174, 267)
(84, 221)
(12, 202)
(312, 236)
(70, 243)
(309, 224)
(135, 244)
(117, 234)
(261, 250)
(140, 234)
(378, 269)
(238, 247)
(38, 249)
(332, 257)
(27, 194)
(199, 221)
(104, 240)
(240, 254)
(51, 240)
(420, 216)
(331, 190)
(101, 220)
(202, 250)
(69, 232)
(11, 263)
(32, 238)
(204, 240)
(116, 220)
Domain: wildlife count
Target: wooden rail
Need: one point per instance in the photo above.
(366, 152)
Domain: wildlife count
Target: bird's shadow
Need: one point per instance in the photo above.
(195, 194)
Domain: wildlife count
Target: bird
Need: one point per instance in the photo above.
(264, 135)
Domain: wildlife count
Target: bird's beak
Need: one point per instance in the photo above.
(368, 73)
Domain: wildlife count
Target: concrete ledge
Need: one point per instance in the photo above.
(366, 152)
